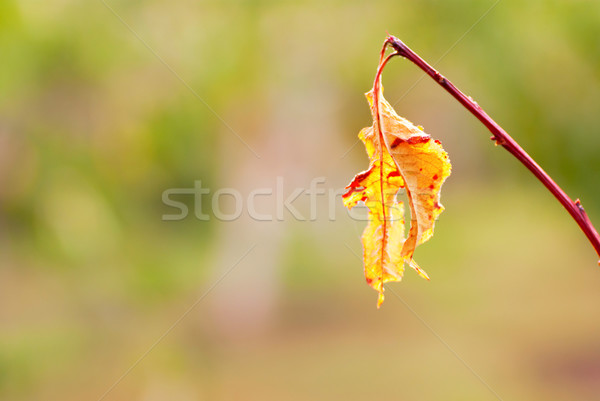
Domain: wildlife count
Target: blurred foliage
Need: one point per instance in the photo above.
(96, 122)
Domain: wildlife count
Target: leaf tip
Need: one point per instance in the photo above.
(380, 299)
(418, 269)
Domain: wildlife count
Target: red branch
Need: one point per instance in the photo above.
(574, 208)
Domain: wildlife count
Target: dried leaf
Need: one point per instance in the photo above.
(401, 155)
(423, 164)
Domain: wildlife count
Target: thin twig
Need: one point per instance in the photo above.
(501, 138)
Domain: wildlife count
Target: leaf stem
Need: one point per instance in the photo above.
(376, 89)
(502, 138)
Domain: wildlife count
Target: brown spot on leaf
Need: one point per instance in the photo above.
(397, 141)
(413, 140)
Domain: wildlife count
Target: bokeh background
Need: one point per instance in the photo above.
(105, 105)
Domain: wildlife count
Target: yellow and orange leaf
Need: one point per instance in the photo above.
(401, 155)
(423, 164)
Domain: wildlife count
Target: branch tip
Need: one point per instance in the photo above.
(398, 45)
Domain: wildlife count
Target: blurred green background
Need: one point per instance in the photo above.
(96, 121)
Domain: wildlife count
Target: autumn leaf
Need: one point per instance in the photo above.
(401, 156)
(423, 164)
(385, 229)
